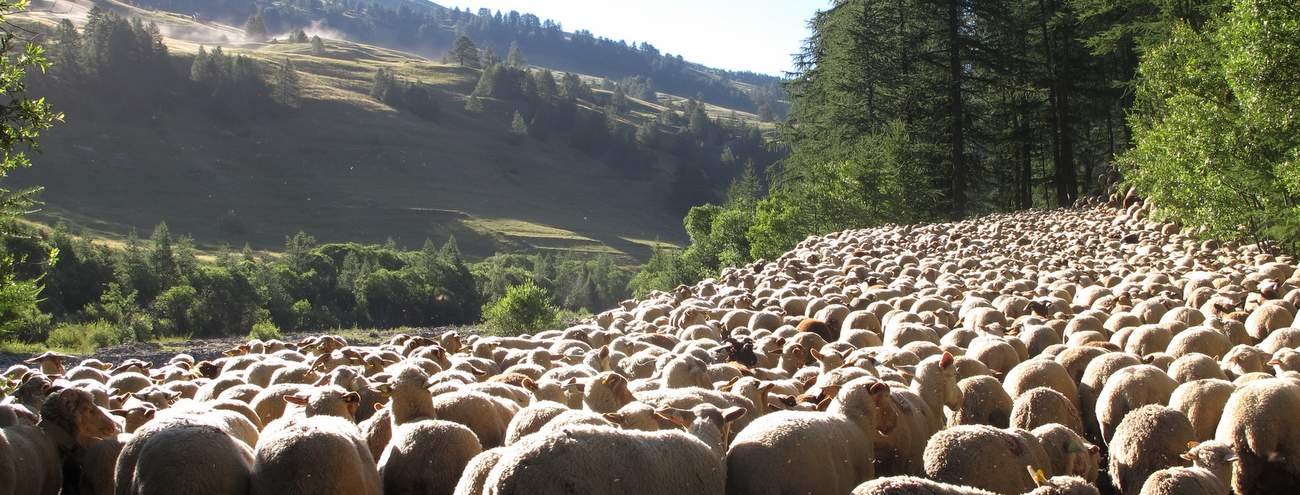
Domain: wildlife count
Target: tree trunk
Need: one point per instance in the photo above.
(956, 110)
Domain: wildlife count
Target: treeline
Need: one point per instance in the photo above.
(962, 108)
(125, 59)
(429, 29)
(707, 153)
(93, 295)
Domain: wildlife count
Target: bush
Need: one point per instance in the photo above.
(1217, 143)
(265, 331)
(524, 308)
(88, 337)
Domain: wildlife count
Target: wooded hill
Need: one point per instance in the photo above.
(356, 142)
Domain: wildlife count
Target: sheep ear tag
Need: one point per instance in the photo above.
(1040, 479)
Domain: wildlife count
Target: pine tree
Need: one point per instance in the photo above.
(204, 69)
(317, 46)
(518, 128)
(465, 53)
(255, 28)
(287, 90)
(474, 104)
(65, 54)
(515, 58)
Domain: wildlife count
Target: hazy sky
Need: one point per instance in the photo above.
(754, 35)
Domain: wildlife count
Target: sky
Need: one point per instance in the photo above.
(752, 35)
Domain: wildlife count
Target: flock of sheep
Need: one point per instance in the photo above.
(1049, 352)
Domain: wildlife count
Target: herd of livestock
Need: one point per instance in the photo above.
(1073, 351)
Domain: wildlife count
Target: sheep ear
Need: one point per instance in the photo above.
(352, 397)
(674, 416)
(830, 391)
(528, 384)
(379, 407)
(1187, 456)
(816, 354)
(149, 412)
(1231, 457)
(296, 399)
(765, 387)
(173, 397)
(384, 388)
(733, 414)
(616, 418)
(1192, 444)
(946, 361)
(825, 403)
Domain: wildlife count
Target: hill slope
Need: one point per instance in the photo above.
(344, 166)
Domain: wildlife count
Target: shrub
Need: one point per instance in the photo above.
(265, 331)
(525, 307)
(1217, 143)
(88, 337)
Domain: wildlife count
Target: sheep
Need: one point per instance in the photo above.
(1202, 401)
(984, 401)
(199, 456)
(606, 393)
(1195, 366)
(97, 464)
(530, 419)
(1148, 439)
(331, 400)
(920, 415)
(486, 415)
(318, 454)
(31, 457)
(1069, 453)
(1040, 406)
(1209, 475)
(475, 474)
(1041, 373)
(1129, 389)
(1259, 422)
(427, 456)
(688, 398)
(760, 458)
(908, 485)
(983, 457)
(634, 462)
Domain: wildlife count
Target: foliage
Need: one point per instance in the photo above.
(86, 338)
(22, 119)
(288, 90)
(1215, 124)
(415, 97)
(524, 308)
(465, 53)
(575, 282)
(265, 331)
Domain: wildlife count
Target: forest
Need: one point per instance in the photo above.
(927, 110)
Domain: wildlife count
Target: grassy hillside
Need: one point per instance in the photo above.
(343, 166)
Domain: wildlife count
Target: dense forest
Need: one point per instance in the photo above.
(935, 109)
(428, 28)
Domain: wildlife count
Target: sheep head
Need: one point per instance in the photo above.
(74, 412)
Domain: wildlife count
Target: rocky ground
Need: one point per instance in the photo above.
(201, 349)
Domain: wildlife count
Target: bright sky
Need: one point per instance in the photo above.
(753, 35)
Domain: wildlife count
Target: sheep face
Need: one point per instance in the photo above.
(75, 412)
